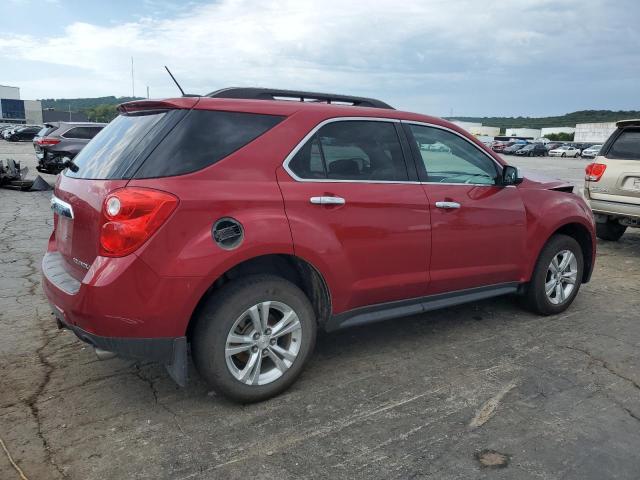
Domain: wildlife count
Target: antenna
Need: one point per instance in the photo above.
(175, 81)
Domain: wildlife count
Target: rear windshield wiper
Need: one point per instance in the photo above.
(70, 165)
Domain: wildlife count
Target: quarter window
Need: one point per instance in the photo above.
(448, 158)
(352, 150)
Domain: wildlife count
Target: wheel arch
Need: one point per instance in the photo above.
(290, 267)
(582, 235)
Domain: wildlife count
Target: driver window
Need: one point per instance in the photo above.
(448, 158)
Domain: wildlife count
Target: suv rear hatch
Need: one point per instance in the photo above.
(104, 165)
(620, 181)
(150, 139)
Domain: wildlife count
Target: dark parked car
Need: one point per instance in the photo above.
(499, 146)
(553, 145)
(58, 142)
(23, 133)
(532, 150)
(513, 148)
(236, 225)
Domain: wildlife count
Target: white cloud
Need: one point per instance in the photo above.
(364, 47)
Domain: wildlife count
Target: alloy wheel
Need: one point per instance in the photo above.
(561, 277)
(263, 343)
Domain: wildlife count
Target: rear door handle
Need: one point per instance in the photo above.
(327, 200)
(447, 205)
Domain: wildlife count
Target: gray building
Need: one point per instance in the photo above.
(51, 115)
(15, 110)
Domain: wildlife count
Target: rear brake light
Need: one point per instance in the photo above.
(44, 141)
(594, 171)
(130, 216)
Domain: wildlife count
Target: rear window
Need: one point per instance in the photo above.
(44, 131)
(626, 146)
(203, 138)
(116, 147)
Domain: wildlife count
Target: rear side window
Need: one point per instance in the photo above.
(46, 130)
(116, 147)
(84, 133)
(352, 150)
(626, 146)
(203, 138)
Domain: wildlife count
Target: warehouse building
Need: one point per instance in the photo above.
(594, 132)
(554, 130)
(530, 133)
(14, 110)
(477, 129)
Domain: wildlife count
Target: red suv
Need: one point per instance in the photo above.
(238, 223)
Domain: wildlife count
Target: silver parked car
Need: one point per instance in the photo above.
(59, 142)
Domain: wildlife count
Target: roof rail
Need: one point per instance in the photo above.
(276, 94)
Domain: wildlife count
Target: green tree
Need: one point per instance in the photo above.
(102, 113)
(560, 137)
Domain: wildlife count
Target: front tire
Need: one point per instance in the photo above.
(253, 338)
(556, 277)
(611, 231)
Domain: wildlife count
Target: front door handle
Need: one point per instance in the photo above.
(447, 205)
(327, 200)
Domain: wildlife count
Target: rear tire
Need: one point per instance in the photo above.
(611, 231)
(550, 292)
(266, 361)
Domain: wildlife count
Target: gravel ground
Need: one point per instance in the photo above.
(432, 396)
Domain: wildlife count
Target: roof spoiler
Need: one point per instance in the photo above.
(276, 94)
(635, 122)
(147, 105)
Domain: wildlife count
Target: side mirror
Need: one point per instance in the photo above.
(511, 176)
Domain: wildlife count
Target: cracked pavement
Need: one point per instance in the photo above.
(414, 398)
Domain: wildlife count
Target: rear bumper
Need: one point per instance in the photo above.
(123, 307)
(162, 350)
(615, 209)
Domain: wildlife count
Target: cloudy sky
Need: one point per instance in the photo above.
(469, 57)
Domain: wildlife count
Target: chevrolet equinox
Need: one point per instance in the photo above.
(236, 224)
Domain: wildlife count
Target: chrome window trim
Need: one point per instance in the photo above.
(440, 127)
(61, 207)
(315, 129)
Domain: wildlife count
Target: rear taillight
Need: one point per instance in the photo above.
(594, 171)
(45, 141)
(130, 216)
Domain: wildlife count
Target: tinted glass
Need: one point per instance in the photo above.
(352, 150)
(448, 158)
(115, 145)
(85, 133)
(203, 138)
(308, 162)
(626, 146)
(46, 131)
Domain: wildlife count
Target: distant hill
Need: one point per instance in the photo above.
(567, 120)
(80, 104)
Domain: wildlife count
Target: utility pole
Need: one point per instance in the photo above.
(133, 86)
(69, 112)
(147, 92)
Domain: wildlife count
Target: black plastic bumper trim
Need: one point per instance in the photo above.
(170, 351)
